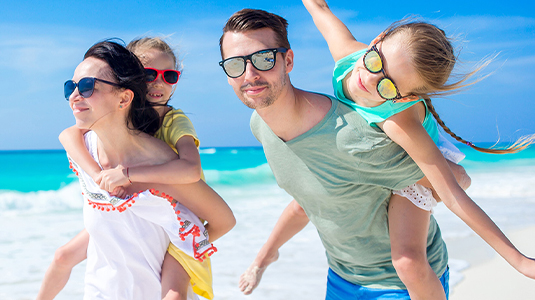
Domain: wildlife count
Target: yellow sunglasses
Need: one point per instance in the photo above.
(386, 87)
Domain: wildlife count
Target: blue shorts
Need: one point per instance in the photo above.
(340, 289)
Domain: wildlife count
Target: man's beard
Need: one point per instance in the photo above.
(273, 89)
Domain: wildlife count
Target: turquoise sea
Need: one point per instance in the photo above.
(41, 209)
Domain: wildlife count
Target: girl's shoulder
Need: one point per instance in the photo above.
(176, 117)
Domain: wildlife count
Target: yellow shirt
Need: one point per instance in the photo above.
(175, 125)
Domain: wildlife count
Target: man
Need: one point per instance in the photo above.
(339, 169)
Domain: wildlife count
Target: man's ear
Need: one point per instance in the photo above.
(289, 60)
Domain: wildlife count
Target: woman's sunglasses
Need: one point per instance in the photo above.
(386, 87)
(169, 76)
(86, 86)
(263, 60)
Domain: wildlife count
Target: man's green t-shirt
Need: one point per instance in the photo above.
(342, 172)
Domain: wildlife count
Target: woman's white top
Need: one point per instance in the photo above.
(129, 238)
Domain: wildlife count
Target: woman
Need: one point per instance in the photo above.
(129, 237)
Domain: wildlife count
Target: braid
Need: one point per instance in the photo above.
(521, 144)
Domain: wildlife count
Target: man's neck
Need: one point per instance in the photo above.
(294, 113)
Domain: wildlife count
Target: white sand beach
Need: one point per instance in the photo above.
(493, 278)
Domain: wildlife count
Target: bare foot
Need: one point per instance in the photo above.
(250, 279)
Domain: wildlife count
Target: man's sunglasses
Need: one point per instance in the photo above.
(386, 87)
(86, 86)
(263, 60)
(169, 76)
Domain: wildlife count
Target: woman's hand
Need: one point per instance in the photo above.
(111, 179)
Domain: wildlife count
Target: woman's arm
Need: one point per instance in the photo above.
(407, 131)
(206, 204)
(72, 140)
(186, 169)
(340, 40)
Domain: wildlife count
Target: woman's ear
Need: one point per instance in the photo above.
(126, 98)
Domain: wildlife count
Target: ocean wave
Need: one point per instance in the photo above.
(68, 197)
(242, 177)
(503, 185)
(208, 151)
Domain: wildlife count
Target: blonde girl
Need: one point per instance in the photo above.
(390, 82)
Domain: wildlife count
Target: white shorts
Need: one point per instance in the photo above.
(422, 196)
(419, 195)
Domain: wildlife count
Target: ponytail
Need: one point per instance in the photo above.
(520, 144)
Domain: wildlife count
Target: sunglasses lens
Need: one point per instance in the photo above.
(263, 61)
(68, 88)
(150, 75)
(387, 89)
(170, 77)
(373, 62)
(86, 87)
(234, 67)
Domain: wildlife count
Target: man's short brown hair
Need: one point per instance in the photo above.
(252, 19)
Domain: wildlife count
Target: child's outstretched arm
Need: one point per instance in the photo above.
(186, 169)
(340, 40)
(406, 130)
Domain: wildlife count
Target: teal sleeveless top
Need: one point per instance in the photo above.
(380, 113)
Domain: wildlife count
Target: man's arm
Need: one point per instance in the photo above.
(292, 220)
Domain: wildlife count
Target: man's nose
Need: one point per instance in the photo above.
(251, 73)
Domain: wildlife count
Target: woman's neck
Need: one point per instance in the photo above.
(118, 145)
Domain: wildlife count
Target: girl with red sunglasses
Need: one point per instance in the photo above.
(178, 269)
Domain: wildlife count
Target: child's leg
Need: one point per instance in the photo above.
(59, 271)
(175, 279)
(408, 226)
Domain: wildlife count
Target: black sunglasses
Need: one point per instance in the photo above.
(263, 60)
(169, 76)
(86, 86)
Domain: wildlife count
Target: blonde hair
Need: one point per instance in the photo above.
(138, 46)
(434, 58)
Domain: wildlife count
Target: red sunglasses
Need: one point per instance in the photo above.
(169, 76)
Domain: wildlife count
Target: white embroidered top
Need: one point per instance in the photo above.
(129, 238)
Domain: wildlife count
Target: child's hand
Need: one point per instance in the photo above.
(110, 179)
(119, 192)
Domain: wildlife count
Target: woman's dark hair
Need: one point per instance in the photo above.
(129, 74)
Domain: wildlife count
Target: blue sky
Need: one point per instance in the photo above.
(41, 43)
